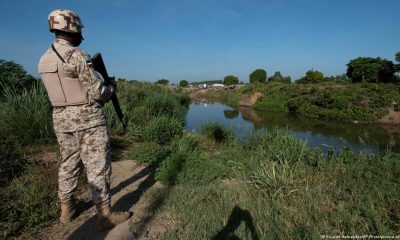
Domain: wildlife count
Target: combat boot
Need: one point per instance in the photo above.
(67, 211)
(106, 219)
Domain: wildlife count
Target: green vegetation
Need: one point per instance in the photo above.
(277, 77)
(14, 75)
(231, 80)
(371, 70)
(28, 193)
(280, 189)
(347, 102)
(183, 83)
(162, 81)
(269, 185)
(258, 76)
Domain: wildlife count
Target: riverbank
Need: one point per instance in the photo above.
(345, 102)
(208, 185)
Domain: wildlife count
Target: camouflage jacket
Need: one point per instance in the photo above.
(80, 117)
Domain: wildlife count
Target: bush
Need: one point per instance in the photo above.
(162, 130)
(29, 203)
(171, 167)
(201, 169)
(217, 132)
(14, 76)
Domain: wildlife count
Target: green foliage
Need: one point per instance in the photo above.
(301, 193)
(277, 77)
(398, 56)
(230, 80)
(217, 132)
(29, 203)
(28, 115)
(162, 130)
(183, 83)
(13, 75)
(170, 167)
(162, 81)
(311, 77)
(162, 104)
(148, 152)
(202, 169)
(370, 70)
(11, 163)
(258, 75)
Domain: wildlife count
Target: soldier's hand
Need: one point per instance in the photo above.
(113, 82)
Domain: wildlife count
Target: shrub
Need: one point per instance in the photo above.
(217, 132)
(170, 167)
(162, 130)
(201, 169)
(29, 203)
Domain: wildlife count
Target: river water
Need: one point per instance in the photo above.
(325, 134)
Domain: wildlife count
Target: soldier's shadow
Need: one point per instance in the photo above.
(237, 216)
(87, 230)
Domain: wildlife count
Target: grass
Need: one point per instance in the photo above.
(28, 197)
(288, 191)
(268, 186)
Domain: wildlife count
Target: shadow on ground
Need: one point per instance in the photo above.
(237, 216)
(125, 203)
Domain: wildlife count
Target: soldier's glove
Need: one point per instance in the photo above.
(106, 93)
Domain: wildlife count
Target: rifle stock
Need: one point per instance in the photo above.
(99, 66)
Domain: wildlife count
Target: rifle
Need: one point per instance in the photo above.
(99, 66)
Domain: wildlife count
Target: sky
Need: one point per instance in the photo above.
(197, 40)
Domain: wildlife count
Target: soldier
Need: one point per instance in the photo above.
(77, 95)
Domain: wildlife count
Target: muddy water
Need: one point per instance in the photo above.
(326, 134)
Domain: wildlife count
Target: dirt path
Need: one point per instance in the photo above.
(129, 182)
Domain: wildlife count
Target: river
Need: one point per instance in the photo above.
(325, 134)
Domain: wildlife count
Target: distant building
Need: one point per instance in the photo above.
(218, 86)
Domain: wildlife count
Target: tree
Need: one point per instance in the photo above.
(231, 80)
(258, 75)
(183, 83)
(277, 77)
(398, 60)
(372, 70)
(163, 81)
(14, 75)
(311, 77)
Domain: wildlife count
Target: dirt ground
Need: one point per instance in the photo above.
(129, 182)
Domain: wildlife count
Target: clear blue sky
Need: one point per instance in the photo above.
(209, 39)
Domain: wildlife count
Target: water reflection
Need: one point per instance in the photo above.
(326, 134)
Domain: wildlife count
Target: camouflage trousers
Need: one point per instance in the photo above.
(89, 148)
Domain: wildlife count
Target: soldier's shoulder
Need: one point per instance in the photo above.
(76, 55)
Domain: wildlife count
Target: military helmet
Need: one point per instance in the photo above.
(65, 20)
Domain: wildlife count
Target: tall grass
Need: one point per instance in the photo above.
(288, 191)
(217, 132)
(27, 115)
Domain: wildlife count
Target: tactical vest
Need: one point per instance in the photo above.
(61, 79)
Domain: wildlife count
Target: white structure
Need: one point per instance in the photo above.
(218, 86)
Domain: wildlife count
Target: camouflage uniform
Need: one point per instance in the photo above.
(82, 133)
